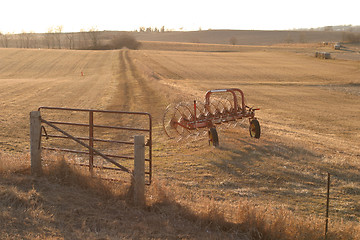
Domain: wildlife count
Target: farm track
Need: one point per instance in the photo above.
(133, 90)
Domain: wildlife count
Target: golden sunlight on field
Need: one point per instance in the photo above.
(309, 115)
(33, 78)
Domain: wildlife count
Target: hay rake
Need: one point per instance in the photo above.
(223, 107)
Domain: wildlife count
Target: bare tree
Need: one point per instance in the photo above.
(289, 39)
(94, 36)
(83, 39)
(17, 40)
(125, 40)
(22, 39)
(5, 38)
(233, 41)
(58, 31)
(49, 38)
(328, 28)
(70, 37)
(302, 37)
(28, 39)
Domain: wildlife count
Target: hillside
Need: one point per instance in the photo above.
(268, 188)
(242, 37)
(83, 40)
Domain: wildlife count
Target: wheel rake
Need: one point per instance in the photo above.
(222, 107)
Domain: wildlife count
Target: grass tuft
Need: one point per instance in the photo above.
(166, 207)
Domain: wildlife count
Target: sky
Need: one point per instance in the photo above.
(189, 15)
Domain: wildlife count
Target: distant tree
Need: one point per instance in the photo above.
(58, 31)
(142, 29)
(162, 29)
(351, 37)
(125, 40)
(233, 41)
(49, 38)
(83, 39)
(289, 39)
(195, 40)
(22, 38)
(328, 28)
(94, 36)
(302, 37)
(2, 39)
(70, 37)
(17, 40)
(349, 28)
(29, 39)
(5, 39)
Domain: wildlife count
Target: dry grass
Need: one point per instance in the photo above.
(68, 203)
(272, 188)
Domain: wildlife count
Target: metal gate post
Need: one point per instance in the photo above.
(35, 143)
(91, 140)
(139, 171)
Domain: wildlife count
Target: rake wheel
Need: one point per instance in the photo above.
(254, 128)
(175, 121)
(213, 137)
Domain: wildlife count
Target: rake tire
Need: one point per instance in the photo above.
(254, 128)
(213, 137)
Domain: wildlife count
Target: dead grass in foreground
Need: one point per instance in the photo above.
(67, 203)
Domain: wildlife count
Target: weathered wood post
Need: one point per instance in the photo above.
(139, 171)
(35, 138)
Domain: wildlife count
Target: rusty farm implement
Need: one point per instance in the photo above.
(221, 107)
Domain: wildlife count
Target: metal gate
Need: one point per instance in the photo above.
(88, 139)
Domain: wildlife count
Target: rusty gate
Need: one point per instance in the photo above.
(89, 140)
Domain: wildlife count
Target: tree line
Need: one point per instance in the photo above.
(55, 38)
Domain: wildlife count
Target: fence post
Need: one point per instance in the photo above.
(139, 171)
(35, 138)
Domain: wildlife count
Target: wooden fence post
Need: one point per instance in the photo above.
(35, 139)
(139, 171)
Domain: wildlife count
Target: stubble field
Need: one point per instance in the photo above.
(310, 111)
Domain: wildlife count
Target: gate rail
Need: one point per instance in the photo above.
(90, 146)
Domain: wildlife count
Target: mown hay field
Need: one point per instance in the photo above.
(309, 117)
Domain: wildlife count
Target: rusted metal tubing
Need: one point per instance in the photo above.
(123, 128)
(95, 166)
(91, 140)
(87, 146)
(99, 126)
(65, 150)
(69, 123)
(94, 110)
(86, 152)
(86, 138)
(232, 91)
